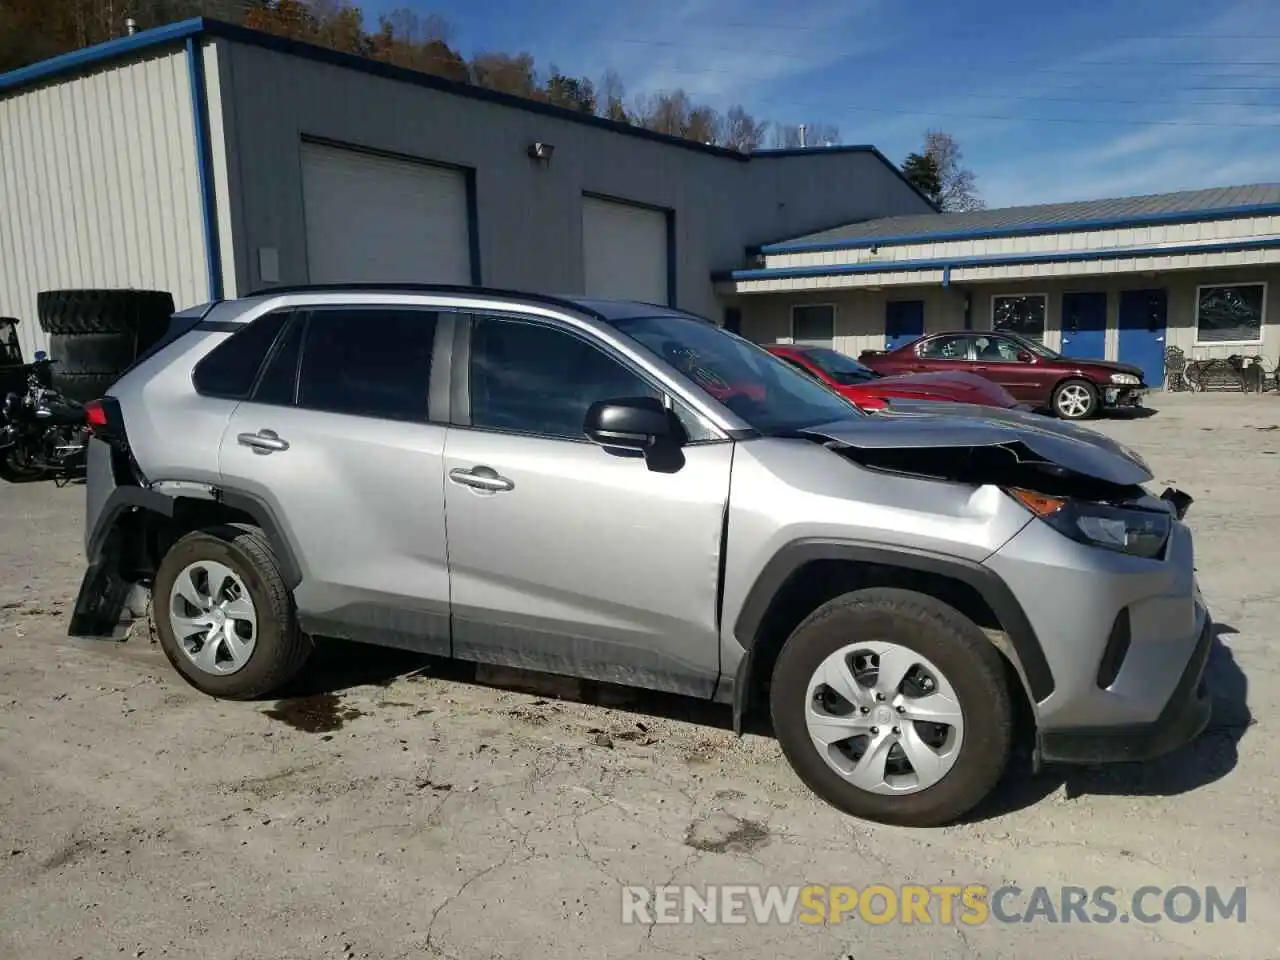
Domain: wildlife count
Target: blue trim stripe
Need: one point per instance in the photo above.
(998, 260)
(80, 60)
(1027, 230)
(204, 166)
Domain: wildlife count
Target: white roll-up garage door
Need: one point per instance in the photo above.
(374, 219)
(624, 251)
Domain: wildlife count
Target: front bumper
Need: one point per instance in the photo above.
(1124, 641)
(1122, 397)
(1183, 719)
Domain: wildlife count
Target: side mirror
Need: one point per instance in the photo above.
(637, 426)
(1025, 356)
(630, 423)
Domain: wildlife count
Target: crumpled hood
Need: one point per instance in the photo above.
(1029, 437)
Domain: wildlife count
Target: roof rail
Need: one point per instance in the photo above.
(461, 289)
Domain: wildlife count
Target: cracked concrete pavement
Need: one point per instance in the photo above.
(399, 807)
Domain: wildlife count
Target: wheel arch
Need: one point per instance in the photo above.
(135, 527)
(807, 572)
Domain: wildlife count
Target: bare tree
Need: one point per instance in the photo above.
(611, 98)
(742, 131)
(958, 185)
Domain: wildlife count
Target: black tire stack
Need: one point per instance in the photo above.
(95, 335)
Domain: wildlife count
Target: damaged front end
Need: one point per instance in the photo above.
(1085, 485)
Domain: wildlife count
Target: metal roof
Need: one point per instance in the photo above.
(122, 48)
(1217, 203)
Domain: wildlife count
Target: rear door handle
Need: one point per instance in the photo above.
(264, 441)
(481, 478)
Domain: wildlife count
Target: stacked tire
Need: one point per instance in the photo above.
(95, 335)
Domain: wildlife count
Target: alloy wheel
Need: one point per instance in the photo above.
(1074, 401)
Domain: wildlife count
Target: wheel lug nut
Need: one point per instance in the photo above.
(901, 708)
(896, 730)
(866, 710)
(875, 730)
(880, 696)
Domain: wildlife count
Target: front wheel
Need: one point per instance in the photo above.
(893, 707)
(224, 615)
(1075, 400)
(15, 469)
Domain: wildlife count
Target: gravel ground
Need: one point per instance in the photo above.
(398, 807)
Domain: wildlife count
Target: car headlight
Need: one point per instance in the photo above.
(1125, 379)
(1139, 533)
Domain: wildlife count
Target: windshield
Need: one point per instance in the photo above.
(761, 389)
(10, 352)
(844, 370)
(1039, 349)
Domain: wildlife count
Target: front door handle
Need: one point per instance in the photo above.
(263, 442)
(481, 478)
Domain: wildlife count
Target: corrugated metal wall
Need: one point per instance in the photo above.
(99, 187)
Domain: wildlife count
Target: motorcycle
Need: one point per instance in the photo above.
(42, 433)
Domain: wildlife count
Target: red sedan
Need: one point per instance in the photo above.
(873, 391)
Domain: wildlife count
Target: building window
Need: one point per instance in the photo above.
(1230, 313)
(813, 323)
(1021, 313)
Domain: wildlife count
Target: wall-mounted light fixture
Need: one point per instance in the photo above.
(538, 150)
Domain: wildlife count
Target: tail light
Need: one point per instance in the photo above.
(104, 419)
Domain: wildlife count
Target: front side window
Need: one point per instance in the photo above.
(991, 349)
(528, 377)
(760, 388)
(1023, 314)
(367, 362)
(1230, 313)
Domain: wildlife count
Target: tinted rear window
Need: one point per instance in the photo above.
(231, 368)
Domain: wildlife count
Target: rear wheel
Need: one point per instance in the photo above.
(224, 615)
(893, 707)
(1075, 400)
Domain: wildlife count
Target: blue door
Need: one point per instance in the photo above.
(1084, 326)
(903, 322)
(1143, 318)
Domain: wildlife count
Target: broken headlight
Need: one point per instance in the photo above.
(1140, 533)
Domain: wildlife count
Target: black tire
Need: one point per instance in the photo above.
(1058, 394)
(955, 645)
(281, 649)
(93, 352)
(143, 313)
(83, 387)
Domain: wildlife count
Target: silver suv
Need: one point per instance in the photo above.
(627, 493)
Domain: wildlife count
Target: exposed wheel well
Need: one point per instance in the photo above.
(818, 581)
(151, 534)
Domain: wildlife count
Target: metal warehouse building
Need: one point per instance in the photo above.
(209, 160)
(1122, 279)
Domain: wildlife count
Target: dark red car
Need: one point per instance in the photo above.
(873, 391)
(1071, 388)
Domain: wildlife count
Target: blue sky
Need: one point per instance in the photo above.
(1050, 101)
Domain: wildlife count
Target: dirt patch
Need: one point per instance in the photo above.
(724, 833)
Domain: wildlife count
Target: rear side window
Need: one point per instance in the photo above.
(231, 368)
(368, 362)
